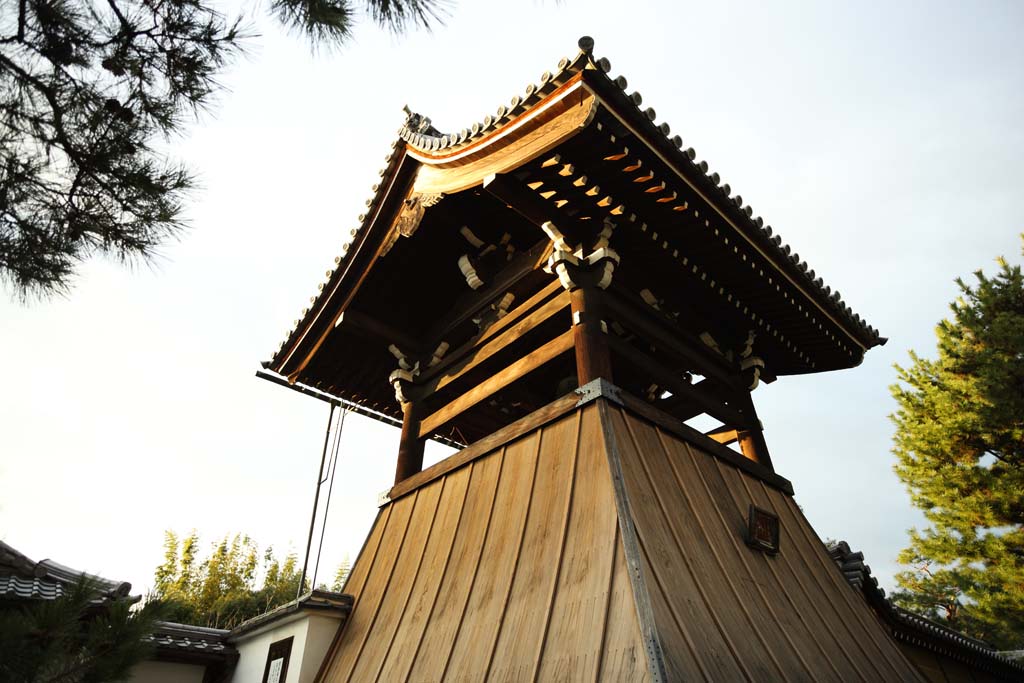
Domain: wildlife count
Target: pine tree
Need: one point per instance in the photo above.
(70, 639)
(959, 446)
(87, 86)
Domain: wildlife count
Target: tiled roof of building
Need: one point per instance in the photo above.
(419, 133)
(315, 600)
(914, 628)
(24, 579)
(170, 636)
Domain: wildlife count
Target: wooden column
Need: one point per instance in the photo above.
(410, 448)
(751, 439)
(592, 357)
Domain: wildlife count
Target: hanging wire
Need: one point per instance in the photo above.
(316, 501)
(330, 489)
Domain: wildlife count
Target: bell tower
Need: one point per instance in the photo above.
(560, 290)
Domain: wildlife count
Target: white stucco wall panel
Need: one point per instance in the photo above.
(252, 652)
(313, 634)
(319, 637)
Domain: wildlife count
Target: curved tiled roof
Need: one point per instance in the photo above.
(170, 636)
(418, 133)
(910, 627)
(24, 579)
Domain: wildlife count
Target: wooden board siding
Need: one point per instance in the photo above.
(599, 546)
(722, 610)
(510, 568)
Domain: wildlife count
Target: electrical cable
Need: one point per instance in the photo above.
(330, 490)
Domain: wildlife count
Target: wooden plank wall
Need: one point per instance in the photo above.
(722, 610)
(510, 568)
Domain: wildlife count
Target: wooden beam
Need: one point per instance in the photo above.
(361, 322)
(527, 203)
(658, 331)
(682, 406)
(724, 435)
(546, 292)
(497, 382)
(472, 303)
(677, 385)
(534, 420)
(723, 453)
(487, 351)
(456, 356)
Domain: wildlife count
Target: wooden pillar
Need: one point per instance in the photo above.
(410, 448)
(592, 357)
(751, 439)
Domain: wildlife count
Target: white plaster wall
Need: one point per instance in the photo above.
(313, 635)
(168, 672)
(319, 637)
(252, 652)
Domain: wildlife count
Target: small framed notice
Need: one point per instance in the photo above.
(763, 530)
(278, 655)
(274, 676)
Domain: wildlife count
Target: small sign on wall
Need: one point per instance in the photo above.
(278, 655)
(275, 670)
(762, 530)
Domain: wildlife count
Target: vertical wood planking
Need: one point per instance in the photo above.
(435, 645)
(684, 609)
(827, 573)
(480, 622)
(784, 643)
(732, 503)
(570, 497)
(396, 592)
(700, 549)
(582, 592)
(794, 581)
(365, 611)
(521, 631)
(355, 581)
(367, 556)
(622, 649)
(636, 566)
(399, 657)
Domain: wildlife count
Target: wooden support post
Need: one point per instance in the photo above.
(751, 440)
(410, 448)
(592, 357)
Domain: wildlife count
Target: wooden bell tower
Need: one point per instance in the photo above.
(561, 290)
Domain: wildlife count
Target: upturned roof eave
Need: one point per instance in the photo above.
(419, 141)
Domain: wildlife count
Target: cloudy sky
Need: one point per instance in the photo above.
(882, 140)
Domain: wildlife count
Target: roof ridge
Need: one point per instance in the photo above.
(418, 132)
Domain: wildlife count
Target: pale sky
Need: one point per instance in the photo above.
(882, 140)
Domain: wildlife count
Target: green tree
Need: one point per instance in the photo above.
(233, 583)
(959, 446)
(88, 86)
(341, 575)
(70, 639)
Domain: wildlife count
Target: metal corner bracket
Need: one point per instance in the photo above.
(598, 388)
